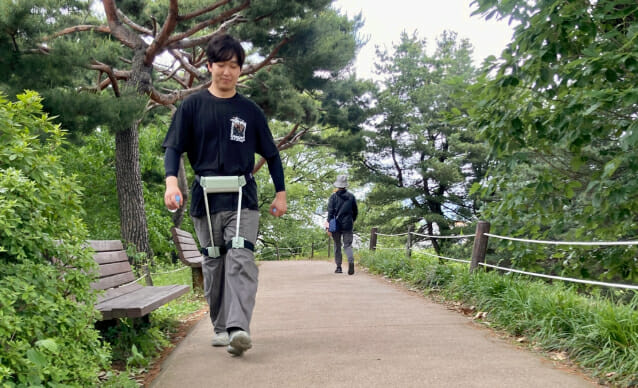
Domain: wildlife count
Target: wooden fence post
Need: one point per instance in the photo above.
(329, 249)
(312, 250)
(373, 239)
(277, 247)
(408, 243)
(480, 244)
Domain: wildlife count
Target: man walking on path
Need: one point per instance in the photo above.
(342, 207)
(221, 130)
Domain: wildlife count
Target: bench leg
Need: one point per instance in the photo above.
(103, 326)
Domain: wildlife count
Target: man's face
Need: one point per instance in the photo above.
(225, 74)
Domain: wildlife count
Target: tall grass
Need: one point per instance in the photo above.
(599, 335)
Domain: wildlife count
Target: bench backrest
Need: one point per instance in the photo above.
(187, 249)
(116, 276)
(114, 268)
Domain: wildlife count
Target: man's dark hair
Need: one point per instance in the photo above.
(222, 47)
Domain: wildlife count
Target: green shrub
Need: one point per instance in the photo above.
(47, 317)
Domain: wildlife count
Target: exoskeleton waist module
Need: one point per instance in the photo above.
(224, 184)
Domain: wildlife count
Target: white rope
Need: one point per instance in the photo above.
(565, 242)
(446, 258)
(432, 236)
(134, 281)
(283, 248)
(627, 286)
(153, 273)
(290, 248)
(389, 248)
(391, 235)
(167, 272)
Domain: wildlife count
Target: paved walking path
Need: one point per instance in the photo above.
(314, 328)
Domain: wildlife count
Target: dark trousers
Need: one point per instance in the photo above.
(346, 236)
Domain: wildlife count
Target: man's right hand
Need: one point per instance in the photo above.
(172, 193)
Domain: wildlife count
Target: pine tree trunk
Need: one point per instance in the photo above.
(129, 190)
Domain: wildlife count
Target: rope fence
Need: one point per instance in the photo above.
(268, 252)
(446, 258)
(593, 243)
(433, 236)
(592, 282)
(392, 235)
(479, 251)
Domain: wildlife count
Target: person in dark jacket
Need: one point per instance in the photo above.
(342, 205)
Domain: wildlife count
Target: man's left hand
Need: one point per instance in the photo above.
(279, 206)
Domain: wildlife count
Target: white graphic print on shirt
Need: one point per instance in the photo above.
(237, 129)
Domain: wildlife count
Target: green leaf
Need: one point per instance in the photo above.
(630, 139)
(592, 108)
(48, 344)
(37, 358)
(610, 168)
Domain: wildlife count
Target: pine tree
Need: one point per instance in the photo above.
(111, 68)
(419, 155)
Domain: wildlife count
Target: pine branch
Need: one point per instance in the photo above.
(134, 25)
(286, 142)
(268, 61)
(159, 43)
(181, 41)
(79, 28)
(117, 29)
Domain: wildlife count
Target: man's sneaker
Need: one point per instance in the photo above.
(221, 339)
(239, 342)
(338, 270)
(350, 268)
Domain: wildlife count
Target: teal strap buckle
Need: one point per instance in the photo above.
(238, 242)
(213, 252)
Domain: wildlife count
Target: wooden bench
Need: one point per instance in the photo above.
(189, 254)
(123, 297)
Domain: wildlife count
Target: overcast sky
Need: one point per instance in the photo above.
(384, 22)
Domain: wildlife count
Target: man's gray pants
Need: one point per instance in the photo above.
(347, 246)
(230, 281)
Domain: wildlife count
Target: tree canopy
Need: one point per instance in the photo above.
(559, 112)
